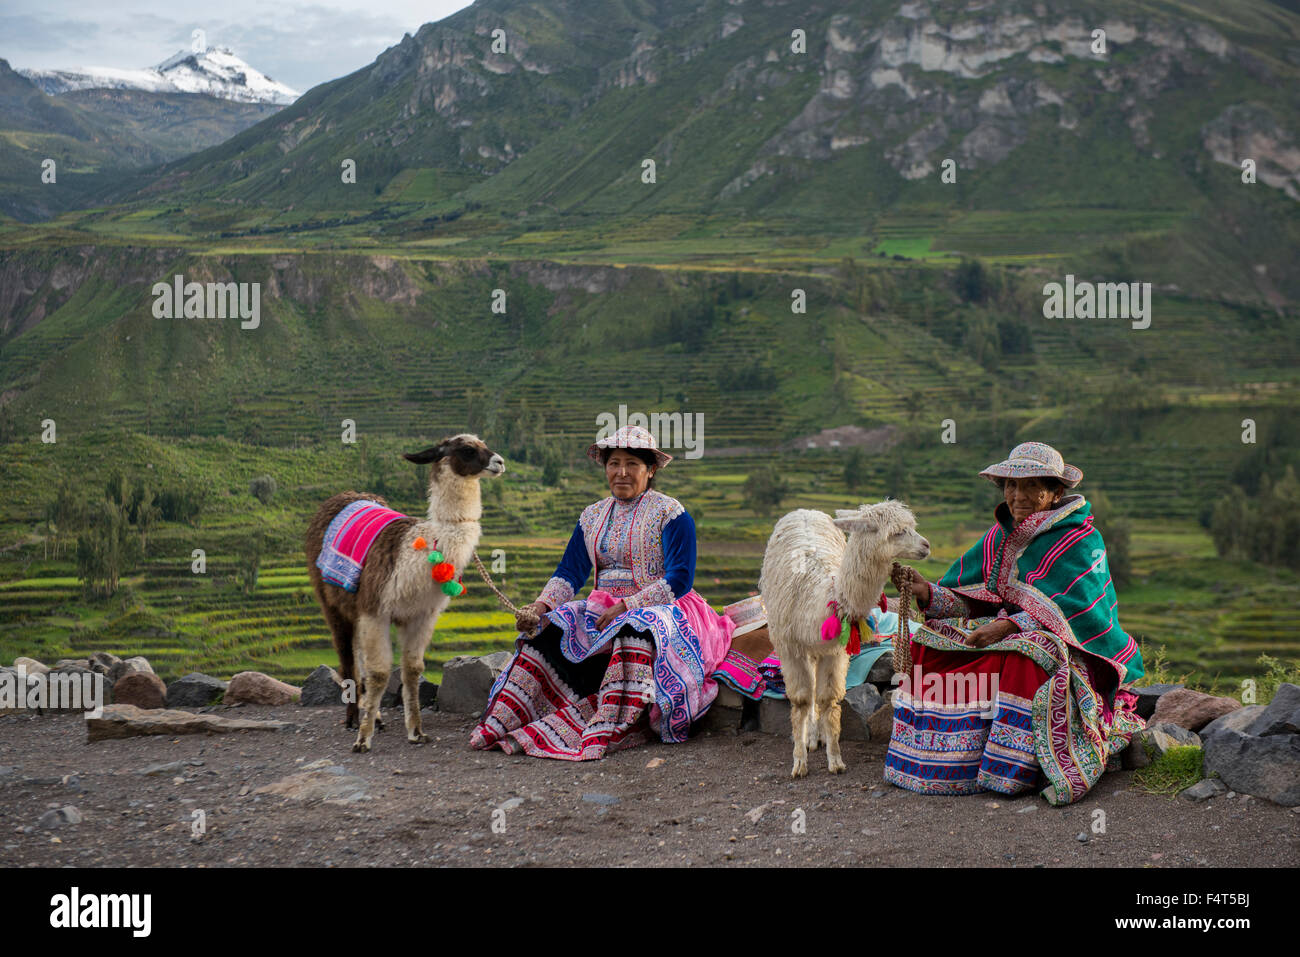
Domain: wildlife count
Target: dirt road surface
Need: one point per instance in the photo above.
(721, 799)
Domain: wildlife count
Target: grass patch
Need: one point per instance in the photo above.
(1177, 769)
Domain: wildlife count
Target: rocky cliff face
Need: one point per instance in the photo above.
(891, 82)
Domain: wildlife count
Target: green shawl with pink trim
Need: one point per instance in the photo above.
(1053, 565)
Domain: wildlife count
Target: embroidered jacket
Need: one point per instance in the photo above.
(660, 552)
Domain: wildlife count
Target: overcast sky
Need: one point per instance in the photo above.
(301, 44)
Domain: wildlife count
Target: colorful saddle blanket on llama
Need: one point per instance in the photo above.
(348, 538)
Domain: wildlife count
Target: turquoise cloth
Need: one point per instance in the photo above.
(881, 623)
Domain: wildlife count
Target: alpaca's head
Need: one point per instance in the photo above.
(886, 529)
(461, 458)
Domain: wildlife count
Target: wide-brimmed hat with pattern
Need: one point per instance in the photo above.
(629, 437)
(1030, 459)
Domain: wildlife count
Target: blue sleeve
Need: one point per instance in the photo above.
(575, 566)
(679, 554)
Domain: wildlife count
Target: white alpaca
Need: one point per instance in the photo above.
(395, 585)
(806, 564)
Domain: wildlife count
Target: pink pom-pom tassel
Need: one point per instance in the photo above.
(831, 627)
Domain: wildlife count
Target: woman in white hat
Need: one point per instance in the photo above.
(1035, 689)
(632, 659)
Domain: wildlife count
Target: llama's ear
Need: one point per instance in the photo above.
(855, 522)
(431, 454)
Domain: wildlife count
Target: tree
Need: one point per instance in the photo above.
(765, 490)
(855, 469)
(262, 488)
(107, 547)
(248, 562)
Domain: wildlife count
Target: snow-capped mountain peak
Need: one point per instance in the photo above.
(215, 72)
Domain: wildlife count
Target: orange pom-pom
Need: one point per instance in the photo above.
(444, 572)
(419, 543)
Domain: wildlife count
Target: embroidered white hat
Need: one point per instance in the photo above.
(629, 437)
(1034, 459)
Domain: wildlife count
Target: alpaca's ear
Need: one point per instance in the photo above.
(855, 522)
(431, 454)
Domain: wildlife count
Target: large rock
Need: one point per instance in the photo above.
(138, 663)
(323, 688)
(32, 666)
(144, 689)
(1282, 715)
(859, 704)
(101, 662)
(1267, 766)
(466, 681)
(128, 721)
(1190, 709)
(195, 690)
(253, 687)
(725, 712)
(1149, 695)
(880, 726)
(427, 693)
(1239, 720)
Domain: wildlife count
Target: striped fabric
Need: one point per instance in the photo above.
(349, 538)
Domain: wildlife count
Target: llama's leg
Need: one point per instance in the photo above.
(798, 673)
(342, 632)
(377, 656)
(831, 671)
(414, 635)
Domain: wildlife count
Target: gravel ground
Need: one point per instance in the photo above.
(720, 799)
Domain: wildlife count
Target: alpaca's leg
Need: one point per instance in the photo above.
(377, 659)
(831, 671)
(415, 635)
(798, 673)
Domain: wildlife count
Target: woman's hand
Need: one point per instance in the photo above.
(989, 632)
(610, 613)
(920, 587)
(523, 624)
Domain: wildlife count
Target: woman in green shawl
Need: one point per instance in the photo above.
(1035, 685)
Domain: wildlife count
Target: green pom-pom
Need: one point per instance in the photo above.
(452, 588)
(435, 556)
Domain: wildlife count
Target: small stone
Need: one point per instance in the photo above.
(66, 815)
(1081, 837)
(1203, 790)
(595, 798)
(655, 762)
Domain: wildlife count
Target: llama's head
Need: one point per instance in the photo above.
(887, 529)
(463, 457)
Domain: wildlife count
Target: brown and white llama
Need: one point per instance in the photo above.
(807, 563)
(395, 585)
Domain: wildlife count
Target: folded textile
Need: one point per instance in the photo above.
(740, 672)
(348, 539)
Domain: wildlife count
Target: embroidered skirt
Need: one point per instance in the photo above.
(576, 692)
(963, 723)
